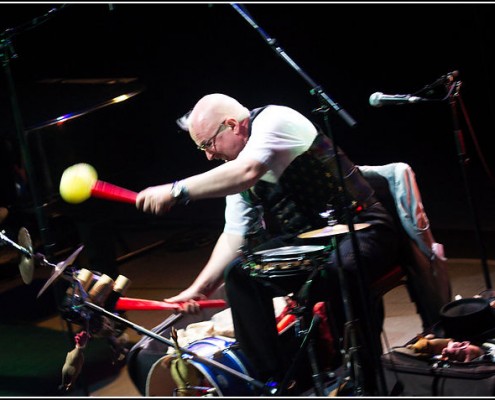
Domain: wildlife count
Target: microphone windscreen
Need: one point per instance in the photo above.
(375, 99)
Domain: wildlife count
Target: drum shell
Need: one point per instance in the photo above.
(225, 351)
(287, 267)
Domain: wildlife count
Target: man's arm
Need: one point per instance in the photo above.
(229, 178)
(211, 277)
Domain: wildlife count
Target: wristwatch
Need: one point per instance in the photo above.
(180, 193)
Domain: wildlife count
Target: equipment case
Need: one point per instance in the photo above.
(407, 375)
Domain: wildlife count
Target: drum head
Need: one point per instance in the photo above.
(289, 251)
(213, 381)
(287, 267)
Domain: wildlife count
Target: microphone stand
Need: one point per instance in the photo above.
(6, 53)
(454, 95)
(326, 103)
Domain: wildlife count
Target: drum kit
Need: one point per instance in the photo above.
(96, 302)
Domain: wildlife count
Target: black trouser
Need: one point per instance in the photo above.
(250, 298)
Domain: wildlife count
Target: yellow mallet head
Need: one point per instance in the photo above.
(76, 183)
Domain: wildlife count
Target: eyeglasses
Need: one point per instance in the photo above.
(211, 141)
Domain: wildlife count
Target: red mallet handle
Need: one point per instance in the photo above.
(128, 303)
(107, 191)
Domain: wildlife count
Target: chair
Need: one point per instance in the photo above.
(421, 265)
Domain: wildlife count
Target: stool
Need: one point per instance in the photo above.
(379, 288)
(394, 278)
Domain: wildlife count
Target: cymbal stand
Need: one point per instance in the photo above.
(352, 364)
(13, 244)
(37, 257)
(454, 95)
(327, 104)
(353, 333)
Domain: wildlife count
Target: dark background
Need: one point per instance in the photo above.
(179, 52)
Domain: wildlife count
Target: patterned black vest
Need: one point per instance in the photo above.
(310, 185)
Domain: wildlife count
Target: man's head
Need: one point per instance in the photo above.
(218, 124)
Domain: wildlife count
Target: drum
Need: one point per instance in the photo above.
(101, 290)
(288, 266)
(213, 380)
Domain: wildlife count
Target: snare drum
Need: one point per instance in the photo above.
(288, 266)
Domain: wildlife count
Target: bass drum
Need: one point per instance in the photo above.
(213, 381)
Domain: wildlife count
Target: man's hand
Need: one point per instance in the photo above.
(155, 199)
(187, 299)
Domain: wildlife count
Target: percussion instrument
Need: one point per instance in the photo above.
(102, 290)
(25, 247)
(331, 230)
(26, 264)
(288, 260)
(213, 380)
(287, 266)
(59, 269)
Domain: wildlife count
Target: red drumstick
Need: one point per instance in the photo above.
(127, 303)
(105, 190)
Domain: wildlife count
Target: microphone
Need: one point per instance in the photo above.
(379, 99)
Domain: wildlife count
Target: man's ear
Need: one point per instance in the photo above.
(239, 127)
(232, 123)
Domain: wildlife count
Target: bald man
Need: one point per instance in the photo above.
(280, 175)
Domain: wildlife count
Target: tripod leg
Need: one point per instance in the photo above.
(317, 378)
(307, 344)
(352, 359)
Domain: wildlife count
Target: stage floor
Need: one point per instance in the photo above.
(162, 261)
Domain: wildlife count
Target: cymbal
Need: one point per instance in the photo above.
(26, 264)
(83, 111)
(331, 231)
(59, 270)
(52, 101)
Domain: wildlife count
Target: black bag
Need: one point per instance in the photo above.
(407, 375)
